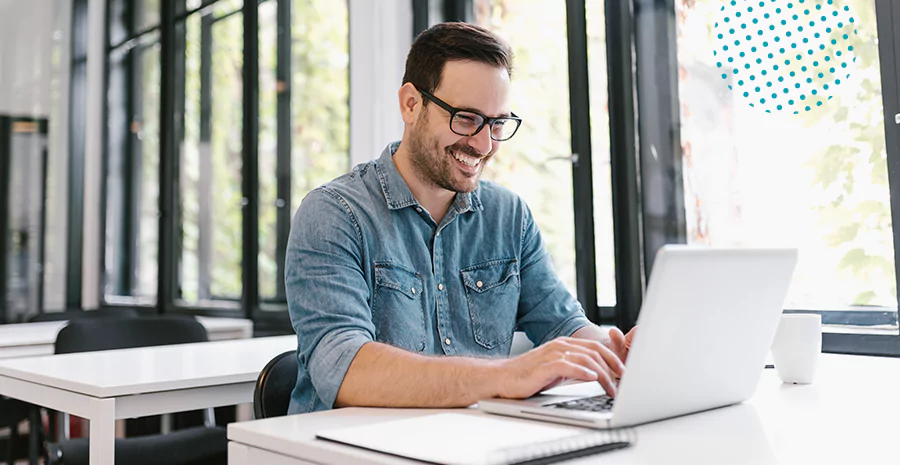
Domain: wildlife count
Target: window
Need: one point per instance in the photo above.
(299, 141)
(132, 167)
(816, 180)
(304, 118)
(536, 162)
(211, 164)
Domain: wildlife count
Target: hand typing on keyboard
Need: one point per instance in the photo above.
(556, 361)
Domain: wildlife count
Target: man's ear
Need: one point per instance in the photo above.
(410, 102)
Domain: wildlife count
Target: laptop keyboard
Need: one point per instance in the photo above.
(588, 404)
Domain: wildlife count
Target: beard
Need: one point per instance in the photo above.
(435, 165)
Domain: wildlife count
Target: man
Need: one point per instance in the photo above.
(407, 277)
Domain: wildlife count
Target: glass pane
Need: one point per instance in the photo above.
(132, 185)
(24, 151)
(268, 146)
(320, 94)
(131, 17)
(211, 164)
(535, 163)
(602, 176)
(816, 180)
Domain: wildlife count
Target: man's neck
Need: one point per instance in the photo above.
(433, 198)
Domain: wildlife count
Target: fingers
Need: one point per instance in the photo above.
(629, 337)
(593, 370)
(602, 354)
(616, 336)
(618, 343)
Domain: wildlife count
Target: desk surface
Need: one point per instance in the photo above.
(848, 415)
(29, 334)
(113, 373)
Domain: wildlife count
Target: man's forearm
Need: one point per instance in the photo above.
(385, 376)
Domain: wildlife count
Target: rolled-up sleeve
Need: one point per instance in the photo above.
(547, 309)
(326, 290)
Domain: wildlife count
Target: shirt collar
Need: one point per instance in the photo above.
(397, 193)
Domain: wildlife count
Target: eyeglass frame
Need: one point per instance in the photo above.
(485, 120)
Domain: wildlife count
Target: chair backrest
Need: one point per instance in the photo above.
(91, 334)
(73, 314)
(274, 386)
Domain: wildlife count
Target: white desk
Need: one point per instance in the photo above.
(116, 384)
(30, 339)
(848, 415)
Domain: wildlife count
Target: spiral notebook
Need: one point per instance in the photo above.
(473, 439)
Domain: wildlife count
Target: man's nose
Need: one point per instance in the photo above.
(482, 141)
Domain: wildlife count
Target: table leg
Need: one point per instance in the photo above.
(35, 430)
(103, 432)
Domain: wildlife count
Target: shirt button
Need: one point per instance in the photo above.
(440, 287)
(418, 209)
(447, 341)
(413, 290)
(479, 284)
(438, 234)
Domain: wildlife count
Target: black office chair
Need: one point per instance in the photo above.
(13, 412)
(272, 394)
(73, 314)
(194, 446)
(92, 334)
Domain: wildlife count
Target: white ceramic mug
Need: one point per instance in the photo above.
(796, 348)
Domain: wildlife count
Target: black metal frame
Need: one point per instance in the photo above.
(5, 172)
(250, 177)
(582, 172)
(77, 109)
(627, 233)
(421, 16)
(283, 150)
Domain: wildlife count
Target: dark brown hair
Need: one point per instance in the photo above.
(449, 42)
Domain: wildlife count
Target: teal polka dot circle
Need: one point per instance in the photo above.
(804, 45)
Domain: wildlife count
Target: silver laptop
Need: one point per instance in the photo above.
(708, 319)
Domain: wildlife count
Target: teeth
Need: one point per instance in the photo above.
(466, 160)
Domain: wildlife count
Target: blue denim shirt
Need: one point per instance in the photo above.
(365, 262)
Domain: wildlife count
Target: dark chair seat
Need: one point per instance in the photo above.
(276, 381)
(194, 446)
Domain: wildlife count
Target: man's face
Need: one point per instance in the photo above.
(442, 157)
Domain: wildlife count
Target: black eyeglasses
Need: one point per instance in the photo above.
(468, 123)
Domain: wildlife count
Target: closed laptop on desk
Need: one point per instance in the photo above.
(708, 319)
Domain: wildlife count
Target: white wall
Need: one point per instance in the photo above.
(34, 82)
(380, 36)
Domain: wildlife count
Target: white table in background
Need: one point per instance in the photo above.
(848, 415)
(30, 339)
(127, 383)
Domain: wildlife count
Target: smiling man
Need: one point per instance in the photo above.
(407, 277)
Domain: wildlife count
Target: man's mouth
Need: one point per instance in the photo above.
(467, 161)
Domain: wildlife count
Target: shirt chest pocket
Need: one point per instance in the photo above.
(492, 294)
(398, 312)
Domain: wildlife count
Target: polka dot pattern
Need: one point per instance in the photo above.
(801, 47)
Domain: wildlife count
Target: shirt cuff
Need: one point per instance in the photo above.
(567, 327)
(331, 360)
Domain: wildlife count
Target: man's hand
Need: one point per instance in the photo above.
(620, 343)
(559, 359)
